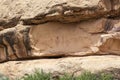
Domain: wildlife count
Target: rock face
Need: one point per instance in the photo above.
(58, 28)
(76, 65)
(66, 11)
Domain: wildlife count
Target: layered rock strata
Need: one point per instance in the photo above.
(58, 28)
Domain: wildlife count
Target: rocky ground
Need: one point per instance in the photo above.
(59, 66)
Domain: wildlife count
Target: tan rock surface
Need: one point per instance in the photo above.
(39, 11)
(31, 29)
(21, 38)
(59, 66)
(56, 39)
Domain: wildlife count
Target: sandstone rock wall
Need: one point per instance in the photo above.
(58, 28)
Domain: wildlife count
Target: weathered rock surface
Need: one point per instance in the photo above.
(31, 29)
(66, 11)
(20, 39)
(54, 39)
(16, 69)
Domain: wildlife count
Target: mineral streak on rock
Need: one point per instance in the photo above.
(15, 44)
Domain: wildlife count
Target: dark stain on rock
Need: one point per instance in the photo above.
(26, 40)
(108, 26)
(4, 46)
(10, 38)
